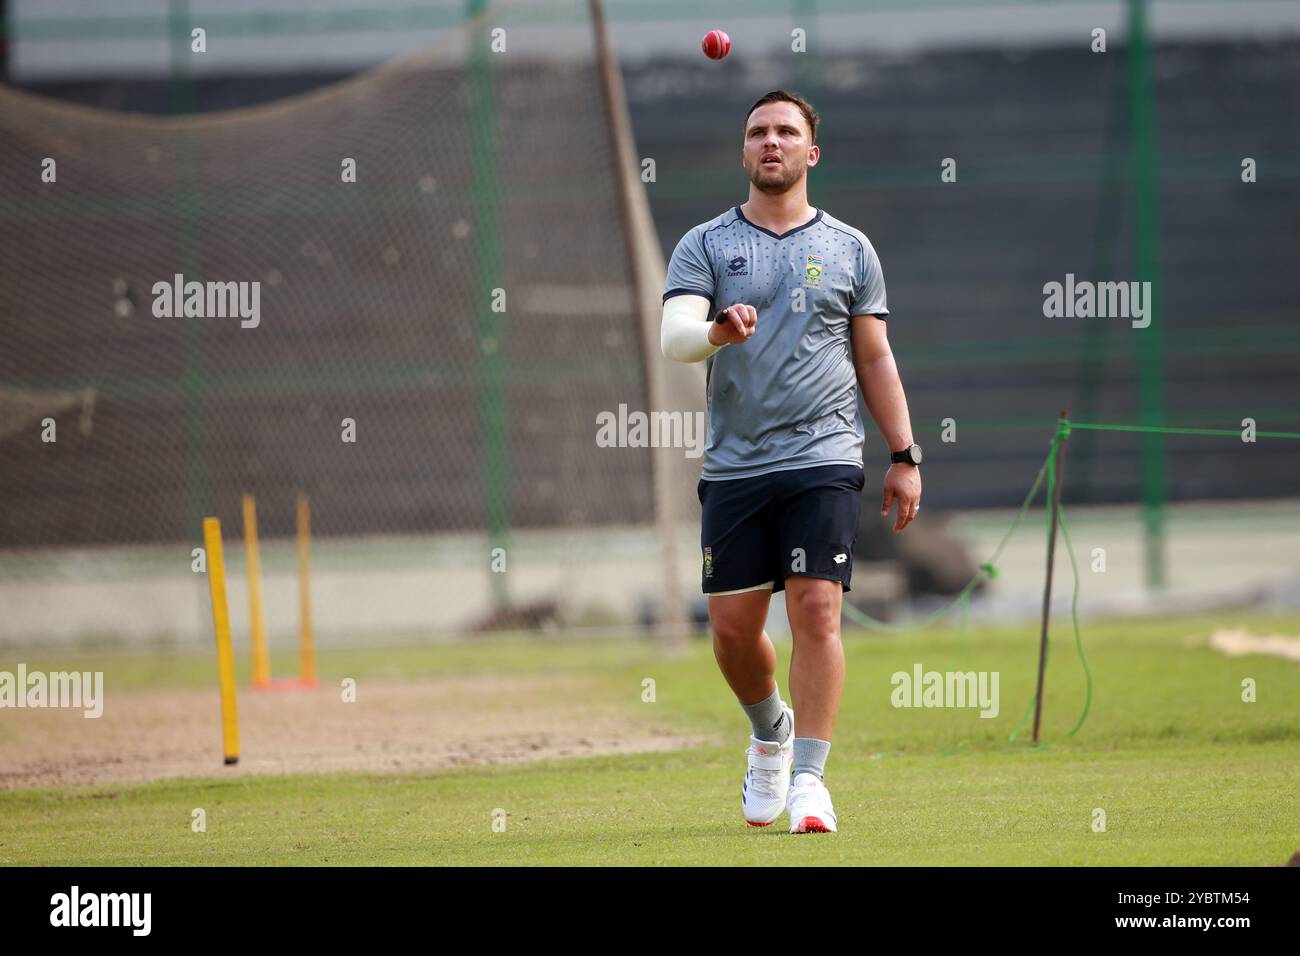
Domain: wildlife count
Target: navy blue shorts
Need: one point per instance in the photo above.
(770, 527)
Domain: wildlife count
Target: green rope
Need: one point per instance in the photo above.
(987, 569)
(1065, 531)
(1062, 433)
(963, 628)
(1234, 432)
(1074, 616)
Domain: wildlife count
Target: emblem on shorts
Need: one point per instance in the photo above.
(841, 558)
(737, 267)
(812, 273)
(708, 562)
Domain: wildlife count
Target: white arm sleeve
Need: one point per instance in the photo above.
(684, 335)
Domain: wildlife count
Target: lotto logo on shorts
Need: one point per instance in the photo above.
(812, 275)
(708, 562)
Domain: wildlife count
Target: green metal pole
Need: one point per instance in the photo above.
(1098, 340)
(189, 203)
(808, 63)
(491, 328)
(1150, 343)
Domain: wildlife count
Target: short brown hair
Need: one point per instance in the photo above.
(785, 96)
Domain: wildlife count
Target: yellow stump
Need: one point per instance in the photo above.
(221, 624)
(306, 651)
(256, 628)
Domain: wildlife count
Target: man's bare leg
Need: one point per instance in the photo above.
(816, 681)
(743, 650)
(817, 660)
(747, 660)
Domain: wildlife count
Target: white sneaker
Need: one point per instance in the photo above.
(810, 806)
(767, 779)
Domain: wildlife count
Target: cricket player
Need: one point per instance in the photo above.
(787, 305)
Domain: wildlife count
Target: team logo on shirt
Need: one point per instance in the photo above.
(708, 562)
(738, 266)
(812, 274)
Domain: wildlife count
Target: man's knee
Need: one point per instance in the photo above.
(732, 628)
(739, 619)
(815, 605)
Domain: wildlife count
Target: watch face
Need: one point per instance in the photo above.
(915, 453)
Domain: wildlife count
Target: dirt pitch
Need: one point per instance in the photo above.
(394, 726)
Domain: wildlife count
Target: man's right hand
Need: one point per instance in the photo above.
(736, 325)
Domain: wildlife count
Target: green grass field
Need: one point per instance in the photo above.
(1185, 771)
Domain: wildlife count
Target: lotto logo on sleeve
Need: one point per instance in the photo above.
(812, 275)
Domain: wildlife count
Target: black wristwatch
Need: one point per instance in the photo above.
(911, 455)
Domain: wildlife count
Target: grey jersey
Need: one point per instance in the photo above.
(787, 398)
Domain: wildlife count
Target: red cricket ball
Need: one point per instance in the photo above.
(716, 44)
